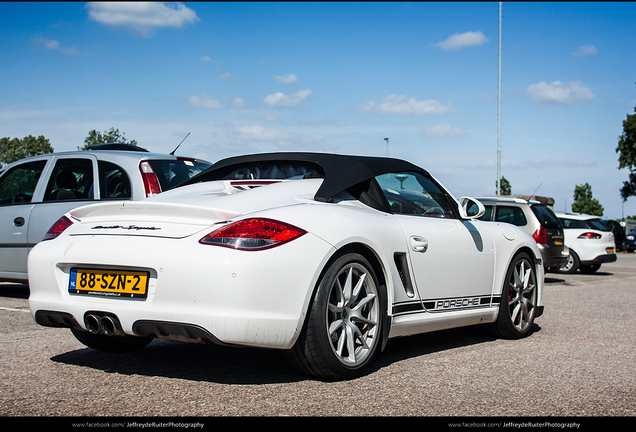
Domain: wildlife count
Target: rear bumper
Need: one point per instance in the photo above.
(195, 291)
(605, 258)
(553, 261)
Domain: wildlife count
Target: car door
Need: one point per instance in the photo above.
(20, 188)
(72, 183)
(452, 259)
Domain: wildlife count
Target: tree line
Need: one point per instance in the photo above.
(15, 149)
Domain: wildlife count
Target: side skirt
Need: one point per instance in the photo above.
(407, 325)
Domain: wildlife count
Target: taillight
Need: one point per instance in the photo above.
(540, 236)
(57, 228)
(253, 234)
(151, 183)
(590, 235)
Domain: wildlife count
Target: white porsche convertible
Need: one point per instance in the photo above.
(325, 256)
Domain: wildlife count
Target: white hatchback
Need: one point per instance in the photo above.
(591, 243)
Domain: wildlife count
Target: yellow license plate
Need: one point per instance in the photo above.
(109, 283)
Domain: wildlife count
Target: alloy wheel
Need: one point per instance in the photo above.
(353, 314)
(522, 294)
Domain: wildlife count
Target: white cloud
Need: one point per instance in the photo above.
(227, 77)
(585, 51)
(240, 102)
(281, 99)
(402, 105)
(258, 133)
(559, 93)
(204, 101)
(54, 45)
(272, 118)
(208, 59)
(444, 131)
(288, 79)
(463, 40)
(143, 17)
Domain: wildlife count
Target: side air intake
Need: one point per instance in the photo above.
(405, 275)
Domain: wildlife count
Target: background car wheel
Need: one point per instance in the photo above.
(344, 327)
(572, 265)
(111, 343)
(518, 299)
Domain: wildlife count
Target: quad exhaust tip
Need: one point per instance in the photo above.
(104, 324)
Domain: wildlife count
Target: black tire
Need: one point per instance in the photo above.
(343, 330)
(518, 306)
(115, 344)
(572, 265)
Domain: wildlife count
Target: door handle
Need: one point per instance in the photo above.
(19, 221)
(419, 244)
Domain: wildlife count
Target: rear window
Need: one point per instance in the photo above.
(584, 224)
(172, 172)
(598, 225)
(275, 171)
(573, 223)
(546, 217)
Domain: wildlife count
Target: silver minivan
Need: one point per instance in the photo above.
(36, 191)
(536, 219)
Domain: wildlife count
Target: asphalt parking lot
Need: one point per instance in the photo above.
(579, 362)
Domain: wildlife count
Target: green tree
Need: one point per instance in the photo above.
(110, 136)
(12, 150)
(506, 189)
(626, 150)
(584, 202)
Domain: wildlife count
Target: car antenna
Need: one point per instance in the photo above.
(535, 191)
(172, 153)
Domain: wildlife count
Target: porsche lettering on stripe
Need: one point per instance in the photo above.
(459, 303)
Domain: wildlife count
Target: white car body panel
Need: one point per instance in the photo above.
(228, 306)
(261, 298)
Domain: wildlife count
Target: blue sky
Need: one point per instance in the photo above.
(337, 77)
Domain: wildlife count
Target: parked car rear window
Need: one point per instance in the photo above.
(546, 217)
(598, 225)
(172, 172)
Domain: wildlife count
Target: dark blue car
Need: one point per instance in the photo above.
(630, 241)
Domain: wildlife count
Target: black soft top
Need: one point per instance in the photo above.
(340, 172)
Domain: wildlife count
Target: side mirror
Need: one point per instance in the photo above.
(470, 208)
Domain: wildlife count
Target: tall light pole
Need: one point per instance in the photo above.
(387, 146)
(499, 114)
